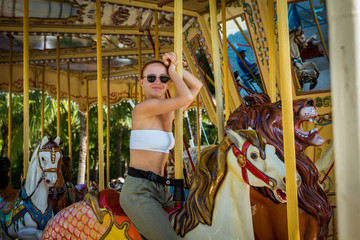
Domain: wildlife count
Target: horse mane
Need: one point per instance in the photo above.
(260, 114)
(206, 182)
(66, 169)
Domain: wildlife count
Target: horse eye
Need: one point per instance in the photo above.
(253, 155)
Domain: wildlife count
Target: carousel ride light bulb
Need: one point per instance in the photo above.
(123, 6)
(132, 8)
(106, 4)
(256, 11)
(115, 5)
(253, 2)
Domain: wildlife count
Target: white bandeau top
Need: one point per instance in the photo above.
(152, 140)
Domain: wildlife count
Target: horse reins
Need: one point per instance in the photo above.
(245, 165)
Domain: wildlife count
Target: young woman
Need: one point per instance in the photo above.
(144, 194)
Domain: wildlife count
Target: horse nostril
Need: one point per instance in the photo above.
(284, 180)
(47, 181)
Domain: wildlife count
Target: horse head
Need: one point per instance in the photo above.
(255, 162)
(48, 157)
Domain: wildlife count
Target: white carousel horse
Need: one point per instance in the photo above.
(28, 215)
(250, 161)
(297, 43)
(218, 204)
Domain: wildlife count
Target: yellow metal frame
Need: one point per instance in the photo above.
(288, 122)
(99, 95)
(26, 87)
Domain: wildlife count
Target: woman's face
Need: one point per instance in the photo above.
(157, 88)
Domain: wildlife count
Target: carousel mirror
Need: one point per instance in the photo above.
(242, 60)
(308, 46)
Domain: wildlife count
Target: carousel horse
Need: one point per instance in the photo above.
(297, 43)
(269, 218)
(27, 216)
(63, 193)
(217, 207)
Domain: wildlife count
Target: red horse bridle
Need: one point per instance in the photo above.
(245, 165)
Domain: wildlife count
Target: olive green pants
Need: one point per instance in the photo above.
(144, 202)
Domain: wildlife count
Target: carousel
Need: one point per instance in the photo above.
(256, 150)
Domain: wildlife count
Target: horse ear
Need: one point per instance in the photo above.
(57, 140)
(235, 138)
(44, 141)
(299, 28)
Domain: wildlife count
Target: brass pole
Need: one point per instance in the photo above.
(42, 101)
(288, 121)
(87, 134)
(272, 61)
(156, 35)
(10, 97)
(99, 95)
(242, 32)
(319, 29)
(178, 48)
(198, 125)
(58, 85)
(226, 61)
(139, 66)
(108, 124)
(69, 112)
(217, 71)
(26, 87)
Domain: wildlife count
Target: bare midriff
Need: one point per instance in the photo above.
(148, 160)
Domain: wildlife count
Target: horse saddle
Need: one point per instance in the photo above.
(110, 199)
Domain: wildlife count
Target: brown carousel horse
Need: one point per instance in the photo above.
(63, 193)
(269, 216)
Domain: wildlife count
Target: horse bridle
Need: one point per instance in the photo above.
(246, 165)
(53, 152)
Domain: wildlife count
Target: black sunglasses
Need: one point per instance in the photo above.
(152, 78)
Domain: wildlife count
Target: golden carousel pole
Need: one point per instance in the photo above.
(217, 71)
(157, 57)
(99, 95)
(242, 32)
(226, 61)
(26, 87)
(272, 61)
(139, 69)
(108, 123)
(10, 97)
(69, 111)
(87, 135)
(198, 124)
(42, 101)
(319, 30)
(58, 85)
(288, 123)
(178, 49)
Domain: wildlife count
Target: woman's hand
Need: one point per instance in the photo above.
(170, 58)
